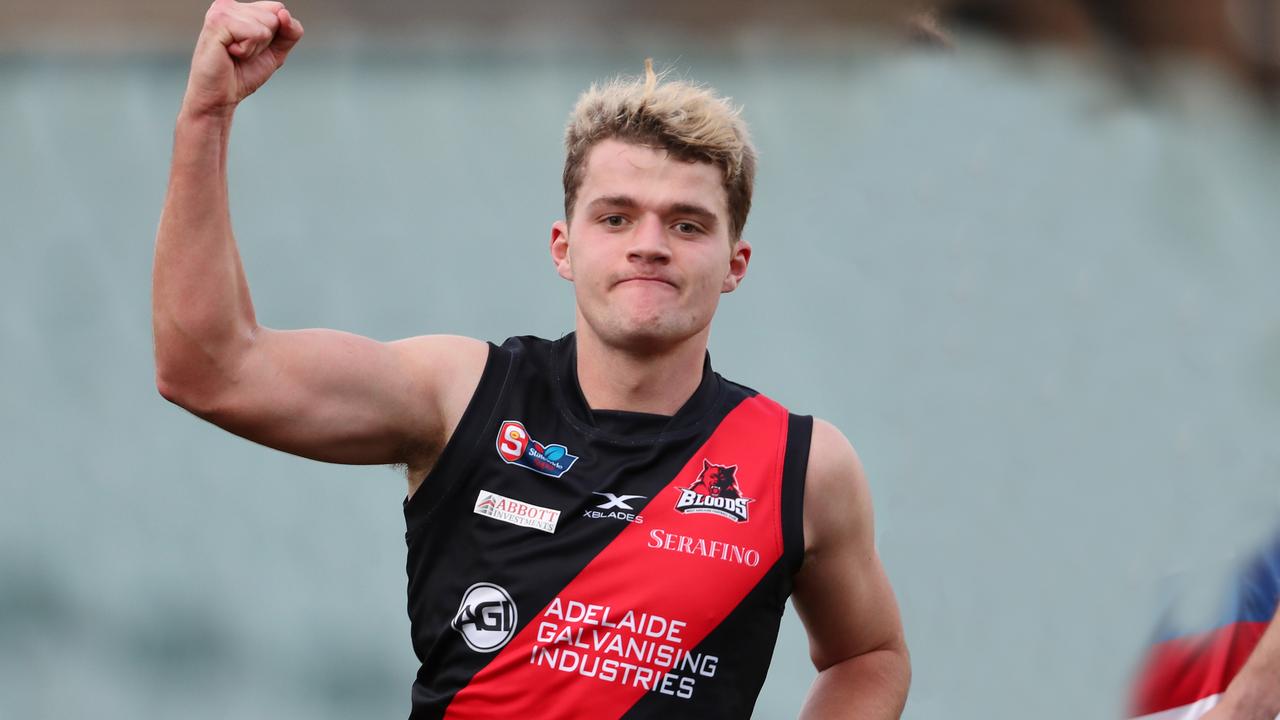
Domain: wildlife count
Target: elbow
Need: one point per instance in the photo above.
(173, 376)
(167, 374)
(200, 400)
(172, 387)
(900, 661)
(189, 389)
(900, 666)
(167, 390)
(905, 668)
(170, 390)
(889, 663)
(891, 650)
(193, 375)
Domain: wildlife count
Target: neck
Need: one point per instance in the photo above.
(661, 382)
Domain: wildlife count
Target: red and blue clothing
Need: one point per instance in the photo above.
(1186, 670)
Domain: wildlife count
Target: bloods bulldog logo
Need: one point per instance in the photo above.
(715, 491)
(515, 447)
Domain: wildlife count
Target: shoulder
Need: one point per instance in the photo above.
(436, 344)
(453, 359)
(441, 361)
(444, 371)
(832, 459)
(449, 370)
(837, 501)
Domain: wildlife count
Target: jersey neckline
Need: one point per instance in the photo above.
(622, 425)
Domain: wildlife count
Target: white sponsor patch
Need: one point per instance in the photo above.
(486, 617)
(524, 514)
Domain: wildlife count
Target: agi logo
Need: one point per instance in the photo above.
(715, 491)
(515, 447)
(486, 618)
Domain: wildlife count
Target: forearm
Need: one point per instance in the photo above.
(201, 309)
(871, 686)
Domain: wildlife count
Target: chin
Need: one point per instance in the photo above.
(653, 333)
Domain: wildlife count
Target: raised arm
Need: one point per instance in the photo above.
(321, 394)
(842, 594)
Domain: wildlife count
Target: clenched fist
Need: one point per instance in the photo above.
(240, 46)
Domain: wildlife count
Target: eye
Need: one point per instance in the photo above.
(614, 220)
(687, 228)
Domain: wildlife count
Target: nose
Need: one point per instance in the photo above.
(649, 242)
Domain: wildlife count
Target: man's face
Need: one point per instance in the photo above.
(648, 246)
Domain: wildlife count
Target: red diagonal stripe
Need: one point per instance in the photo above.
(630, 575)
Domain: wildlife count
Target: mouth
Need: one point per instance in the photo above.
(646, 280)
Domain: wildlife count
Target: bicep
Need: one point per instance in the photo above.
(339, 397)
(842, 593)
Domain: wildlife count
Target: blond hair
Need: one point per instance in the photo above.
(689, 121)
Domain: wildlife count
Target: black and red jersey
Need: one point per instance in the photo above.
(571, 563)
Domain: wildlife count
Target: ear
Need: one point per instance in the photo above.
(739, 258)
(705, 464)
(560, 249)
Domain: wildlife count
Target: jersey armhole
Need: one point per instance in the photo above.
(794, 469)
(462, 444)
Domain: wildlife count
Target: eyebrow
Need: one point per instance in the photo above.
(707, 217)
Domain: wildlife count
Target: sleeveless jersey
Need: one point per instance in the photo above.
(570, 563)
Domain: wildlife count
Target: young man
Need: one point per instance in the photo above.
(598, 526)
